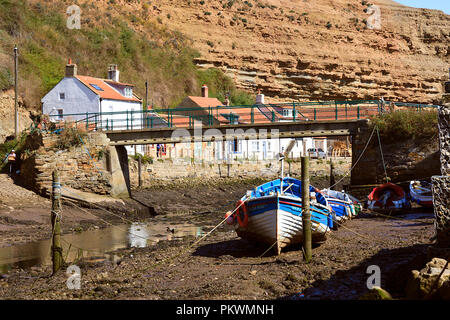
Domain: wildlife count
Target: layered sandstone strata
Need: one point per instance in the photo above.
(319, 50)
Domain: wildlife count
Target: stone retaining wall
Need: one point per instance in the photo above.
(172, 169)
(444, 138)
(441, 184)
(83, 168)
(441, 201)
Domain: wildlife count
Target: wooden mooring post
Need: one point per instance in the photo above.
(289, 164)
(57, 254)
(332, 178)
(306, 213)
(140, 171)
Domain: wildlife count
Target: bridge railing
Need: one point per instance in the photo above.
(236, 114)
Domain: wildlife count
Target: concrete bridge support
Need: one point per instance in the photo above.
(117, 165)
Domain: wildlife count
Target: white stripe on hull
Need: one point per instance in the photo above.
(281, 226)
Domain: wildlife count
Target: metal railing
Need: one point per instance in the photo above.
(237, 114)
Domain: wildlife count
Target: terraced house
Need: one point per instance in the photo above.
(77, 97)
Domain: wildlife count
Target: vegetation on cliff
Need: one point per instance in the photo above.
(143, 49)
(405, 125)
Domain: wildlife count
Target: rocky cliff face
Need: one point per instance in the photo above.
(7, 115)
(318, 49)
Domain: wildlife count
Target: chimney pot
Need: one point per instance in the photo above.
(113, 73)
(260, 98)
(205, 91)
(71, 69)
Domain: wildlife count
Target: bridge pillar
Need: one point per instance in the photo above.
(120, 174)
(365, 170)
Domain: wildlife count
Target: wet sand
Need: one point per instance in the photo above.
(223, 266)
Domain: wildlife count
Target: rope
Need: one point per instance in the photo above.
(382, 155)
(357, 233)
(196, 242)
(171, 258)
(99, 207)
(268, 249)
(391, 217)
(354, 165)
(107, 222)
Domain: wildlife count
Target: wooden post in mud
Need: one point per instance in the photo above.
(306, 214)
(57, 257)
(289, 164)
(140, 171)
(332, 179)
(228, 165)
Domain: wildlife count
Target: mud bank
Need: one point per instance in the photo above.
(25, 216)
(223, 266)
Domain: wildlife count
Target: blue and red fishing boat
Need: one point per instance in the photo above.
(272, 213)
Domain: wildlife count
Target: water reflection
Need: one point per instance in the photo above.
(94, 244)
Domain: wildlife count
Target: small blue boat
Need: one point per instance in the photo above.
(272, 213)
(341, 204)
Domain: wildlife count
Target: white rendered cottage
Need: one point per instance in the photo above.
(76, 94)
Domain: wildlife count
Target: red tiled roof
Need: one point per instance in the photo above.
(176, 120)
(245, 115)
(119, 83)
(206, 102)
(108, 92)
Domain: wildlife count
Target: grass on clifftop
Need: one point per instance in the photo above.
(142, 48)
(404, 125)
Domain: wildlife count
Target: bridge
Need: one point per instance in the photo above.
(219, 123)
(240, 132)
(225, 123)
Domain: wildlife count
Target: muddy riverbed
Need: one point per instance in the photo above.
(223, 266)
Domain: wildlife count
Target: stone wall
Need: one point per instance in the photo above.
(404, 160)
(171, 169)
(441, 184)
(441, 201)
(85, 168)
(444, 138)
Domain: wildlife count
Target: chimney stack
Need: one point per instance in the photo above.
(259, 98)
(205, 91)
(113, 73)
(71, 69)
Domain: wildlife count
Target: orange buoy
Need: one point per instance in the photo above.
(230, 218)
(241, 214)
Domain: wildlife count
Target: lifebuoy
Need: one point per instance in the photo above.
(242, 210)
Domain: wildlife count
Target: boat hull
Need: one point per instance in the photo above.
(277, 221)
(418, 194)
(342, 204)
(388, 198)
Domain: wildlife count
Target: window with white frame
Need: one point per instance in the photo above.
(62, 96)
(128, 92)
(60, 114)
(287, 113)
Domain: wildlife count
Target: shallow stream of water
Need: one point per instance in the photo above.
(94, 244)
